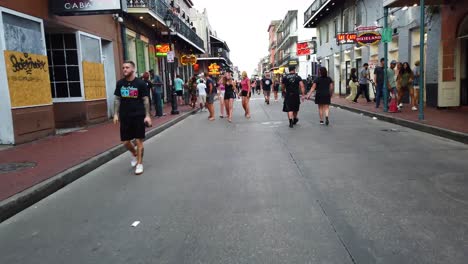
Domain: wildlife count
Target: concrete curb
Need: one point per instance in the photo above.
(441, 132)
(28, 197)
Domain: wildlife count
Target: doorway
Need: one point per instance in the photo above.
(110, 73)
(464, 72)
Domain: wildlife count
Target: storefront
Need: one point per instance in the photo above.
(56, 72)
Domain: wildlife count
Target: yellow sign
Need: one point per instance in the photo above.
(188, 60)
(214, 69)
(28, 79)
(94, 80)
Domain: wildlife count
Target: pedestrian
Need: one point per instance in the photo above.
(253, 85)
(201, 88)
(132, 110)
(391, 81)
(246, 93)
(157, 95)
(179, 89)
(229, 94)
(324, 91)
(363, 83)
(415, 90)
(379, 81)
(210, 96)
(265, 85)
(149, 85)
(405, 83)
(258, 85)
(221, 91)
(276, 87)
(193, 91)
(187, 93)
(353, 84)
(293, 87)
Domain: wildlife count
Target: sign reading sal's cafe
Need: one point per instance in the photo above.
(87, 7)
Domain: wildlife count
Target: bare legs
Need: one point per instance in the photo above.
(138, 152)
(211, 111)
(222, 105)
(229, 104)
(324, 110)
(276, 95)
(245, 105)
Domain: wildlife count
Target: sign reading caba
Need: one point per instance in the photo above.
(87, 7)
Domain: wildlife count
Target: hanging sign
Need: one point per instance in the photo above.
(367, 28)
(171, 56)
(369, 38)
(162, 49)
(87, 7)
(214, 69)
(303, 49)
(188, 60)
(346, 38)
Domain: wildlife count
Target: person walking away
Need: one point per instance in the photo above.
(353, 84)
(258, 85)
(293, 87)
(253, 85)
(379, 81)
(149, 85)
(246, 93)
(193, 91)
(405, 82)
(179, 88)
(363, 83)
(276, 86)
(132, 110)
(415, 90)
(324, 91)
(186, 93)
(201, 88)
(265, 85)
(229, 95)
(157, 98)
(210, 96)
(221, 92)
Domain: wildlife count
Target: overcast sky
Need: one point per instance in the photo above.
(243, 24)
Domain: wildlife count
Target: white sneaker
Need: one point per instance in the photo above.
(400, 105)
(134, 162)
(139, 169)
(414, 108)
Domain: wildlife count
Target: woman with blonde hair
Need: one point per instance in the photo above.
(246, 92)
(221, 91)
(229, 95)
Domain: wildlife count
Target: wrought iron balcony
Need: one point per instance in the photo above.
(161, 8)
(220, 52)
(322, 7)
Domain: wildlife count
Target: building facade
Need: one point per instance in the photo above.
(56, 71)
(272, 44)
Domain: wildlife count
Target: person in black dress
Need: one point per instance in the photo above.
(293, 88)
(229, 94)
(324, 86)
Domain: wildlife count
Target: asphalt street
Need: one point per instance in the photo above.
(257, 191)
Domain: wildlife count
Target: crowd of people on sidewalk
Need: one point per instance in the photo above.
(401, 80)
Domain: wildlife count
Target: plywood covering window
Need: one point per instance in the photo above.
(64, 69)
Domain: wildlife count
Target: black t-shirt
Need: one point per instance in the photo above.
(131, 95)
(291, 82)
(266, 82)
(379, 72)
(323, 85)
(208, 82)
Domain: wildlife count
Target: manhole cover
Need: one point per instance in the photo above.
(15, 166)
(454, 185)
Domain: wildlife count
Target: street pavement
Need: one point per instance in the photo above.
(257, 191)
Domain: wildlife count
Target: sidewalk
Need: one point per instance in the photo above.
(89, 148)
(450, 123)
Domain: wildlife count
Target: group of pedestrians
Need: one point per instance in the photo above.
(401, 80)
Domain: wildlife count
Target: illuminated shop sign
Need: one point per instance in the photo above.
(162, 49)
(87, 7)
(214, 69)
(346, 38)
(188, 60)
(368, 38)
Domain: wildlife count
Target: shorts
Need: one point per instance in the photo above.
(228, 96)
(180, 93)
(245, 93)
(202, 99)
(132, 128)
(210, 98)
(266, 92)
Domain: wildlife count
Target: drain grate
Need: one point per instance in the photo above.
(16, 166)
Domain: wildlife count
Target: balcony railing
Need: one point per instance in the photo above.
(160, 7)
(312, 9)
(223, 53)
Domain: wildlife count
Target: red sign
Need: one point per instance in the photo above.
(369, 28)
(369, 38)
(162, 49)
(346, 38)
(303, 49)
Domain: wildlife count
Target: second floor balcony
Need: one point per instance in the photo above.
(159, 9)
(318, 10)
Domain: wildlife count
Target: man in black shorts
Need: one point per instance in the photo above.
(293, 89)
(266, 84)
(132, 110)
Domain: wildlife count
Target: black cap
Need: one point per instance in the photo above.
(292, 68)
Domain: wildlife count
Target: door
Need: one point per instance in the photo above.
(348, 73)
(110, 75)
(464, 72)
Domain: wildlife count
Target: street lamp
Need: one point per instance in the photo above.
(169, 21)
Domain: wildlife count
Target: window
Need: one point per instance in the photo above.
(346, 21)
(22, 34)
(335, 23)
(64, 67)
